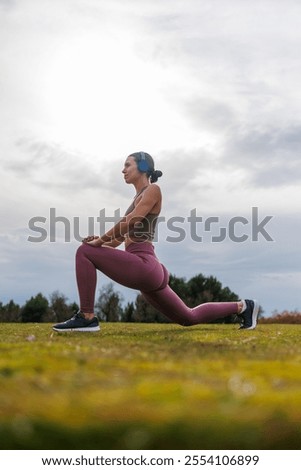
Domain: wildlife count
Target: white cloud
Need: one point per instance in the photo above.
(270, 155)
(52, 167)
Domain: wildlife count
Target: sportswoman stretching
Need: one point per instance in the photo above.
(138, 267)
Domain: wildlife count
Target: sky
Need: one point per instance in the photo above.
(211, 89)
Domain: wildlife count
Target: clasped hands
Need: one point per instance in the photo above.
(93, 240)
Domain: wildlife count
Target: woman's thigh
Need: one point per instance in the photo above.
(141, 271)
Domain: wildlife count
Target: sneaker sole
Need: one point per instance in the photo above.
(254, 316)
(82, 330)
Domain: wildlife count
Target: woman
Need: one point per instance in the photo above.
(137, 266)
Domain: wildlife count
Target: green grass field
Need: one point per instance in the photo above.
(139, 386)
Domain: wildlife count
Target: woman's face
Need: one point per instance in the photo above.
(130, 171)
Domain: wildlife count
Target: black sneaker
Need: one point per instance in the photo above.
(249, 316)
(78, 323)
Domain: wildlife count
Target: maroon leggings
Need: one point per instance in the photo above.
(138, 268)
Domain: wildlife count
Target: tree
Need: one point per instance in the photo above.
(61, 311)
(35, 309)
(108, 306)
(10, 312)
(179, 285)
(145, 313)
(128, 313)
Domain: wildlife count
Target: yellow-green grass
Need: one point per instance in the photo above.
(149, 386)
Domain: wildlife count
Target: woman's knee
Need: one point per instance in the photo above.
(82, 250)
(79, 250)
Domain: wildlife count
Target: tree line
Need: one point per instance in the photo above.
(109, 303)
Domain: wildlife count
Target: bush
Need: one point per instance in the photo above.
(285, 317)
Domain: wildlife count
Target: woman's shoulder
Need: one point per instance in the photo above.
(154, 188)
(153, 191)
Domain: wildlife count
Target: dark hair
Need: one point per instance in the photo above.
(150, 171)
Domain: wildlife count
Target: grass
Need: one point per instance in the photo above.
(139, 386)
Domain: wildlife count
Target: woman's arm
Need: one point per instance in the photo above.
(114, 243)
(150, 197)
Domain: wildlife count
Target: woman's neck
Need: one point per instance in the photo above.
(140, 186)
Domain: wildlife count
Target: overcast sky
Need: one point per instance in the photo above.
(210, 88)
